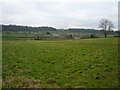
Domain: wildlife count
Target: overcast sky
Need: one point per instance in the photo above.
(59, 13)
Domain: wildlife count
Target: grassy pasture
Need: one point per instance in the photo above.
(91, 63)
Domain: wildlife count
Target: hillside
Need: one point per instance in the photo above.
(17, 28)
(75, 30)
(26, 28)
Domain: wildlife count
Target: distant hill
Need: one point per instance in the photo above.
(49, 29)
(77, 30)
(26, 28)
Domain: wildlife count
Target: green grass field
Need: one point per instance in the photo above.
(90, 63)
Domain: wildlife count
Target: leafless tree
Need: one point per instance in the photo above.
(106, 26)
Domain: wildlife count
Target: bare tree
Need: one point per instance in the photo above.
(106, 26)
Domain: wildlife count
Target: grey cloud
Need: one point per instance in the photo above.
(59, 14)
